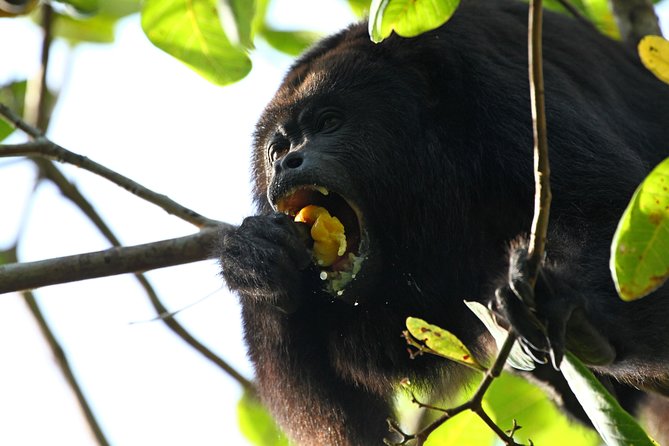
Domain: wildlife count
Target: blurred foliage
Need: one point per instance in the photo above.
(599, 12)
(257, 424)
(13, 96)
(360, 7)
(82, 7)
(512, 397)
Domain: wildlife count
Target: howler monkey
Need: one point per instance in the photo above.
(422, 148)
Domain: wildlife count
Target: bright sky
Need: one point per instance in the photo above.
(140, 112)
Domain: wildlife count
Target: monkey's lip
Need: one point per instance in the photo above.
(348, 214)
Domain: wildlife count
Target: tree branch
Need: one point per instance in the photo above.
(131, 259)
(43, 147)
(542, 193)
(71, 192)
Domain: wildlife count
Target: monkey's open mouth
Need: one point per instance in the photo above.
(346, 266)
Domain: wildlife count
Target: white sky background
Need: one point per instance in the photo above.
(136, 110)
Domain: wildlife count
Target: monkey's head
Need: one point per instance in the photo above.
(347, 130)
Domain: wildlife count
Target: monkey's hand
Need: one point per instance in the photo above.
(550, 318)
(264, 258)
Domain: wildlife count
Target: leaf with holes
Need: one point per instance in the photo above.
(408, 18)
(191, 32)
(442, 342)
(654, 53)
(640, 249)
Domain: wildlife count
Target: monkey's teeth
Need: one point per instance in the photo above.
(322, 190)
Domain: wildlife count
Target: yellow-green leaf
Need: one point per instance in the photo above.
(465, 429)
(12, 95)
(654, 53)
(511, 397)
(190, 30)
(96, 29)
(359, 7)
(408, 18)
(442, 342)
(256, 424)
(290, 42)
(85, 7)
(640, 249)
(236, 17)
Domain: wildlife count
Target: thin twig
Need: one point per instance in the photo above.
(180, 331)
(113, 261)
(61, 358)
(542, 194)
(36, 109)
(43, 147)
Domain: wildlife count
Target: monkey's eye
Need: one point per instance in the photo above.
(328, 121)
(277, 148)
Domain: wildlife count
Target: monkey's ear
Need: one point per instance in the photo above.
(586, 342)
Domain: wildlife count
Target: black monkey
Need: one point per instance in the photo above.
(422, 148)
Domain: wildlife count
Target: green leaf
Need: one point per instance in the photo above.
(599, 12)
(511, 397)
(518, 359)
(78, 7)
(258, 22)
(236, 17)
(95, 29)
(256, 424)
(360, 7)
(408, 18)
(442, 342)
(118, 8)
(289, 42)
(190, 31)
(13, 96)
(640, 249)
(616, 427)
(465, 429)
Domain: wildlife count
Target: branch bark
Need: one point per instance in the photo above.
(113, 261)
